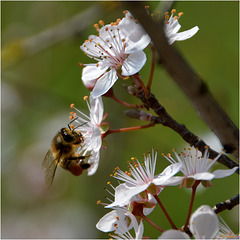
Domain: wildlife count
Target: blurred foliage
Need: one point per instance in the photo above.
(37, 90)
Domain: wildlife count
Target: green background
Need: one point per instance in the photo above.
(38, 88)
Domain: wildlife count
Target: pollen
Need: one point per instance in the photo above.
(72, 106)
(71, 117)
(173, 11)
(125, 12)
(85, 98)
(99, 202)
(96, 25)
(108, 183)
(101, 22)
(176, 18)
(72, 126)
(118, 20)
(180, 14)
(132, 158)
(146, 7)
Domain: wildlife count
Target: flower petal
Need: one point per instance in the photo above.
(174, 234)
(123, 194)
(173, 181)
(96, 111)
(184, 35)
(92, 72)
(134, 63)
(108, 221)
(202, 176)
(204, 223)
(104, 83)
(94, 161)
(167, 173)
(224, 173)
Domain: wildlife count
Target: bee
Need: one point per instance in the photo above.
(62, 153)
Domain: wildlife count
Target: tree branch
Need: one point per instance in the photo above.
(228, 204)
(192, 85)
(166, 120)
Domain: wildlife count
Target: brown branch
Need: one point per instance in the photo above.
(166, 120)
(192, 85)
(228, 204)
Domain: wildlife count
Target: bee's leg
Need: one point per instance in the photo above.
(77, 158)
(85, 165)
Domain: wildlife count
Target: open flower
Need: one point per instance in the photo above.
(204, 224)
(142, 180)
(121, 215)
(196, 167)
(91, 129)
(172, 26)
(119, 51)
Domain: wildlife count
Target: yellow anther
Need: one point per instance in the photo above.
(180, 14)
(99, 202)
(101, 22)
(173, 11)
(96, 25)
(85, 98)
(72, 106)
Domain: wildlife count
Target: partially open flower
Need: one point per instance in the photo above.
(90, 128)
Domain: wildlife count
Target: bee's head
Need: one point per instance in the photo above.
(71, 136)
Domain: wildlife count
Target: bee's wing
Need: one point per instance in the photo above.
(50, 163)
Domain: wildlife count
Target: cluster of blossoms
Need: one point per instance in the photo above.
(118, 51)
(138, 195)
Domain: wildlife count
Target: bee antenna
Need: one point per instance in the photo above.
(75, 126)
(71, 122)
(79, 125)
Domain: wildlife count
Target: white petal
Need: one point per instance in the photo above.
(104, 83)
(224, 173)
(173, 181)
(134, 63)
(204, 223)
(139, 233)
(123, 194)
(184, 35)
(97, 109)
(92, 73)
(167, 173)
(94, 161)
(202, 176)
(107, 222)
(174, 234)
(96, 139)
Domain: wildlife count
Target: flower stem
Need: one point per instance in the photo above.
(194, 188)
(152, 69)
(125, 103)
(165, 212)
(110, 131)
(139, 80)
(152, 223)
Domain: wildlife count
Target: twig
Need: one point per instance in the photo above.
(228, 204)
(166, 120)
(193, 86)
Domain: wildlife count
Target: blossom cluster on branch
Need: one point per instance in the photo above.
(118, 50)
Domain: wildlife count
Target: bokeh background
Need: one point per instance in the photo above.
(41, 78)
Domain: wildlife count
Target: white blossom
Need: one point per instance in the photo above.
(119, 51)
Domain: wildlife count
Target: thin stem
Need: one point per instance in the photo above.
(110, 131)
(124, 103)
(152, 69)
(139, 80)
(152, 223)
(194, 188)
(165, 212)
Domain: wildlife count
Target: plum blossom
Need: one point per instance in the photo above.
(121, 216)
(141, 179)
(204, 224)
(91, 127)
(172, 26)
(196, 167)
(119, 51)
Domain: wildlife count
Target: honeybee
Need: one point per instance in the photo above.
(62, 153)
